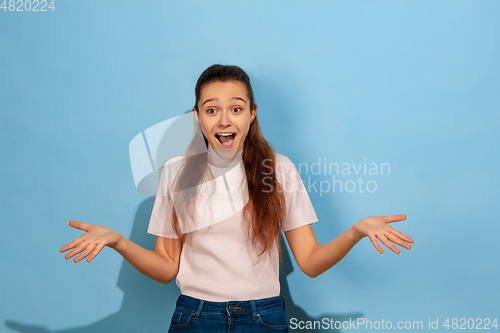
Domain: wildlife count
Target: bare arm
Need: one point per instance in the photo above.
(161, 264)
(314, 259)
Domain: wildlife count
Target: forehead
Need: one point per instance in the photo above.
(223, 91)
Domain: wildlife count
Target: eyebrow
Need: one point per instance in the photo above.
(215, 99)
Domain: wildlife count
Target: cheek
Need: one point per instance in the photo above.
(244, 132)
(244, 125)
(206, 126)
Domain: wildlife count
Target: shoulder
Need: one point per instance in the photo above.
(283, 162)
(174, 160)
(172, 167)
(281, 159)
(285, 169)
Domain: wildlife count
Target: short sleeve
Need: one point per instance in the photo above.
(299, 209)
(160, 223)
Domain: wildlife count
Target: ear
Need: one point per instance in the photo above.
(196, 115)
(253, 113)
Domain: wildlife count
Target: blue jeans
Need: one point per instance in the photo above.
(262, 315)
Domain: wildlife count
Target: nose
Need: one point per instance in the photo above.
(224, 120)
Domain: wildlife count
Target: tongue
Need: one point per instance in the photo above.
(226, 140)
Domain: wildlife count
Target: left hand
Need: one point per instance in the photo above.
(377, 227)
(91, 243)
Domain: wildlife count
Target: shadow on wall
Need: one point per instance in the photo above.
(147, 305)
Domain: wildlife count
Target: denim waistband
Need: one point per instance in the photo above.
(199, 306)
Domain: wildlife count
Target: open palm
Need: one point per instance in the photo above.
(90, 243)
(378, 228)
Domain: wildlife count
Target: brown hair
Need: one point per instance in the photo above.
(265, 209)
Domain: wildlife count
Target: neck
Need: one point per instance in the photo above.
(221, 165)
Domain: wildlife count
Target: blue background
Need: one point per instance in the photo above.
(410, 83)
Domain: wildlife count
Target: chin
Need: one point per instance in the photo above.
(226, 154)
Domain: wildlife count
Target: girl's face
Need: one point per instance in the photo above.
(225, 116)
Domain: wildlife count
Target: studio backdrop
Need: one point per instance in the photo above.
(384, 107)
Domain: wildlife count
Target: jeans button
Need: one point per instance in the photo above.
(231, 307)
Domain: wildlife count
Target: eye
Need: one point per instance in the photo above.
(211, 111)
(237, 109)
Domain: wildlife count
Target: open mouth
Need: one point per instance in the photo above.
(226, 139)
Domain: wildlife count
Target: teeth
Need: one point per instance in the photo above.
(225, 134)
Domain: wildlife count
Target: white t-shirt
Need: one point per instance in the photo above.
(217, 261)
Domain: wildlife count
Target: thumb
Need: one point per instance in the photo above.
(395, 218)
(79, 225)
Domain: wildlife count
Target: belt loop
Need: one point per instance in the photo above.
(254, 310)
(283, 301)
(200, 306)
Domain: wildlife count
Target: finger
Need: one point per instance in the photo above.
(96, 251)
(79, 248)
(79, 225)
(402, 236)
(71, 245)
(395, 218)
(68, 246)
(395, 239)
(387, 243)
(85, 253)
(376, 244)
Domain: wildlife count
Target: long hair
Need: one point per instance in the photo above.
(265, 209)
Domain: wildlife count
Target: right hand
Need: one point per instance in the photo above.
(90, 243)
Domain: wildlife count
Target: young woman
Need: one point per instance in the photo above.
(218, 215)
